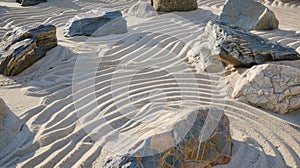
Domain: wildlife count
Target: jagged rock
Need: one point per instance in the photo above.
(213, 148)
(142, 10)
(271, 87)
(3, 113)
(24, 46)
(249, 15)
(174, 5)
(97, 22)
(30, 2)
(241, 48)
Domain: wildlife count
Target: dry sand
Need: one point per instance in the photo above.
(61, 129)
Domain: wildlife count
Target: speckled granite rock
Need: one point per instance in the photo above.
(243, 49)
(249, 15)
(271, 87)
(3, 113)
(195, 150)
(97, 22)
(174, 5)
(30, 2)
(24, 46)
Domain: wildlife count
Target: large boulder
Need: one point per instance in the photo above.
(174, 5)
(248, 14)
(241, 48)
(24, 46)
(97, 22)
(207, 142)
(30, 2)
(271, 87)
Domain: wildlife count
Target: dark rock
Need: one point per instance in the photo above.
(30, 2)
(97, 22)
(198, 148)
(174, 5)
(249, 15)
(241, 48)
(24, 46)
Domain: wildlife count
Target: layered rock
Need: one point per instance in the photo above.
(248, 14)
(271, 87)
(97, 22)
(206, 142)
(174, 5)
(30, 2)
(142, 10)
(24, 46)
(241, 48)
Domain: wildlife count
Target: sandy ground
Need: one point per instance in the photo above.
(62, 99)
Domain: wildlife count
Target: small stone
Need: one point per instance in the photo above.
(30, 2)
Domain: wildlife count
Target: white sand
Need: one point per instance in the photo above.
(63, 130)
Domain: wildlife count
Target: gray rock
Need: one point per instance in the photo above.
(241, 48)
(3, 113)
(24, 46)
(249, 15)
(174, 5)
(97, 22)
(142, 10)
(213, 148)
(30, 2)
(271, 87)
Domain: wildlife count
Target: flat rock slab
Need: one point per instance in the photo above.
(97, 22)
(24, 46)
(174, 5)
(241, 48)
(30, 2)
(206, 142)
(271, 87)
(249, 15)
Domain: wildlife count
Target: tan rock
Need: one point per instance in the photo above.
(174, 5)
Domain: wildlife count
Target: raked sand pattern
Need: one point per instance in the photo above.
(69, 93)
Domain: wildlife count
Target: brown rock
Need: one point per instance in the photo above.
(174, 5)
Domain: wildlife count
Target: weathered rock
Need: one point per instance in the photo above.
(3, 113)
(271, 87)
(142, 9)
(97, 22)
(174, 5)
(194, 150)
(24, 46)
(249, 15)
(30, 2)
(241, 48)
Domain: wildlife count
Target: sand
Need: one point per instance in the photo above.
(143, 75)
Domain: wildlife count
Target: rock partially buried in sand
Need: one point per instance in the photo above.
(142, 10)
(97, 22)
(24, 46)
(271, 87)
(30, 2)
(249, 15)
(211, 149)
(243, 49)
(3, 113)
(174, 5)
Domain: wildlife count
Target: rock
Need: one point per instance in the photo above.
(249, 15)
(30, 2)
(142, 10)
(97, 22)
(243, 49)
(24, 46)
(215, 146)
(3, 113)
(174, 5)
(271, 87)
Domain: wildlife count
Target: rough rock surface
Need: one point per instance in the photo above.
(142, 9)
(174, 5)
(214, 148)
(30, 2)
(271, 87)
(24, 46)
(249, 15)
(97, 22)
(241, 48)
(3, 114)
